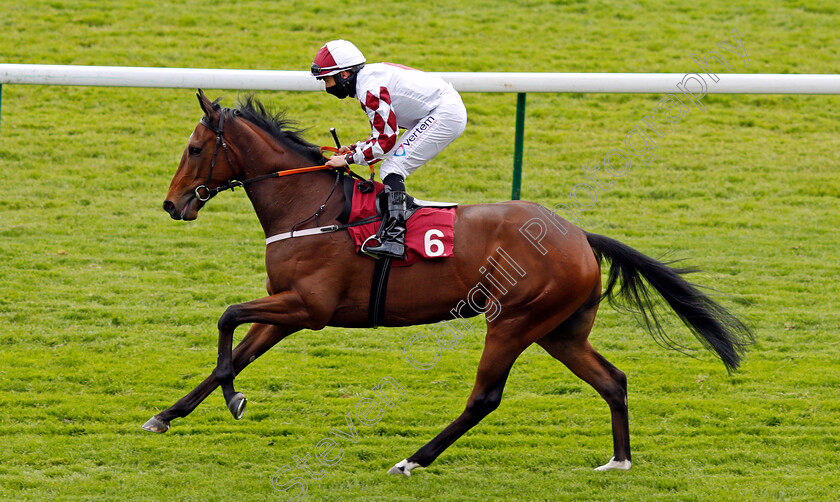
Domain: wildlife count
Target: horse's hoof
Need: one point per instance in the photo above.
(615, 465)
(403, 468)
(155, 425)
(236, 405)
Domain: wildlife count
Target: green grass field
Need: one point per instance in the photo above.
(108, 308)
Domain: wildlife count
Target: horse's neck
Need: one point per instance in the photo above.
(282, 202)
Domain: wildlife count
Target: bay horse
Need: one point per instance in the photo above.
(320, 280)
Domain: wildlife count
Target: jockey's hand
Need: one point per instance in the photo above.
(337, 160)
(344, 149)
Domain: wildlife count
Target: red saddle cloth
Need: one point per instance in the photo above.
(430, 231)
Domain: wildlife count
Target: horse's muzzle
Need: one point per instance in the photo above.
(169, 207)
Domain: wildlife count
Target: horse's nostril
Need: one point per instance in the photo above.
(168, 206)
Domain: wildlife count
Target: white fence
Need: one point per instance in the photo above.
(275, 80)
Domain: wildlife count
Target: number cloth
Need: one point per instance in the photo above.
(430, 232)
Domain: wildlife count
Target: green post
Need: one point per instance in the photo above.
(518, 140)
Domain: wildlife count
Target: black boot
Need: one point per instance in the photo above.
(391, 234)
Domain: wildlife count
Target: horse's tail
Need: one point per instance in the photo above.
(716, 328)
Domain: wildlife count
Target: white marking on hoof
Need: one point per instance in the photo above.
(623, 465)
(404, 468)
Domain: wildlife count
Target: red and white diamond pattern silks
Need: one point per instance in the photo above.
(383, 123)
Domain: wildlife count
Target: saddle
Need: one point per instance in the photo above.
(429, 224)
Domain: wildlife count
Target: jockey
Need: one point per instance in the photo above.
(393, 96)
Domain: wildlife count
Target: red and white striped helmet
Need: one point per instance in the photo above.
(336, 56)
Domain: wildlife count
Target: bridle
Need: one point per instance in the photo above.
(234, 183)
(220, 140)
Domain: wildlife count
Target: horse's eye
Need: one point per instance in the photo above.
(194, 150)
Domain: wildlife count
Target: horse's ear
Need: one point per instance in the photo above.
(211, 109)
(205, 103)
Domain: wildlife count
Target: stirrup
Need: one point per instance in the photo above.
(363, 247)
(384, 253)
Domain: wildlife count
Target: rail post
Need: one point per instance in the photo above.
(518, 141)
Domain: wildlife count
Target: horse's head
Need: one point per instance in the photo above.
(205, 163)
(236, 147)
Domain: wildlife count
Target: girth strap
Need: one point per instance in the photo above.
(379, 291)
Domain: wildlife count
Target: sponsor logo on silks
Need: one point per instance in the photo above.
(418, 131)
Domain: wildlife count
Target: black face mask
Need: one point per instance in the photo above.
(349, 84)
(344, 86)
(338, 91)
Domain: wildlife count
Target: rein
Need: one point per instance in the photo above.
(208, 193)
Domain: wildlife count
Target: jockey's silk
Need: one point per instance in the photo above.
(429, 232)
(395, 97)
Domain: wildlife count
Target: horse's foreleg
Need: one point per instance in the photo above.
(493, 369)
(284, 309)
(260, 338)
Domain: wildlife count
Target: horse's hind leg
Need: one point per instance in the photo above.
(259, 339)
(496, 361)
(569, 344)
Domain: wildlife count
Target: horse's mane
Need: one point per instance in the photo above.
(275, 123)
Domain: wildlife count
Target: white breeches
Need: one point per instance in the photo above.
(428, 138)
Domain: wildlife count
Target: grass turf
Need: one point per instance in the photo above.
(108, 308)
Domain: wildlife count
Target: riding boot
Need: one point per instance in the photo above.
(391, 234)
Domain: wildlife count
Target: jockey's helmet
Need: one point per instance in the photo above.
(337, 56)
